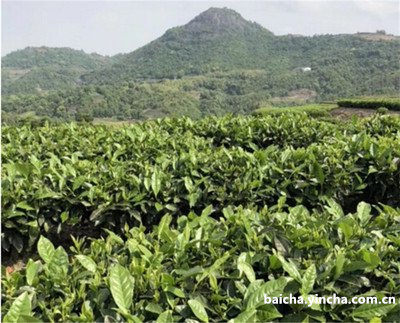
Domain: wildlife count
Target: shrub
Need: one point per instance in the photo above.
(371, 103)
(382, 110)
(198, 268)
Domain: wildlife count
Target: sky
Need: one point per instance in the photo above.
(112, 27)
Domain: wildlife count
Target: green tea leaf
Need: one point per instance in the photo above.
(371, 258)
(340, 260)
(346, 226)
(59, 264)
(290, 268)
(28, 319)
(369, 311)
(155, 182)
(45, 249)
(198, 310)
(154, 308)
(32, 269)
(248, 270)
(87, 263)
(176, 291)
(308, 280)
(23, 205)
(121, 286)
(271, 288)
(268, 313)
(165, 317)
(21, 306)
(318, 172)
(246, 316)
(364, 212)
(334, 209)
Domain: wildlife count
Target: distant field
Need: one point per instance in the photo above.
(112, 122)
(390, 103)
(345, 108)
(316, 110)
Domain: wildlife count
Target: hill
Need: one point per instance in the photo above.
(214, 40)
(217, 63)
(219, 39)
(42, 68)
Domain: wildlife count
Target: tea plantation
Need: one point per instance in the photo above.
(177, 220)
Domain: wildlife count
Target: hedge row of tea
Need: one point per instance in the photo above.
(371, 103)
(313, 110)
(202, 218)
(58, 177)
(207, 269)
(69, 177)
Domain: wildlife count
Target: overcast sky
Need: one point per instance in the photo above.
(111, 27)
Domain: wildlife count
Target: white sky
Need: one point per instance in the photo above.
(111, 27)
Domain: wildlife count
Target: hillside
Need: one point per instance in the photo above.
(221, 40)
(216, 39)
(217, 63)
(42, 68)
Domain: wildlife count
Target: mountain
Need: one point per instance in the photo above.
(42, 68)
(217, 63)
(220, 39)
(214, 40)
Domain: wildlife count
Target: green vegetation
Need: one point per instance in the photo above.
(38, 69)
(220, 40)
(371, 103)
(313, 110)
(198, 219)
(34, 57)
(218, 63)
(213, 269)
(180, 165)
(195, 218)
(129, 101)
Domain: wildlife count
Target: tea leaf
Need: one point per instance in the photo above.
(21, 306)
(368, 311)
(121, 286)
(87, 263)
(32, 269)
(46, 249)
(198, 310)
(308, 280)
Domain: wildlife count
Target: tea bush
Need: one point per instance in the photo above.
(72, 178)
(201, 268)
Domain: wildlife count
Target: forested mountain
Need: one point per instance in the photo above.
(217, 63)
(221, 40)
(214, 40)
(36, 69)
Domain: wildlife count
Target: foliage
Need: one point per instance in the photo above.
(31, 57)
(210, 269)
(371, 103)
(215, 64)
(37, 69)
(71, 177)
(341, 65)
(83, 117)
(128, 101)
